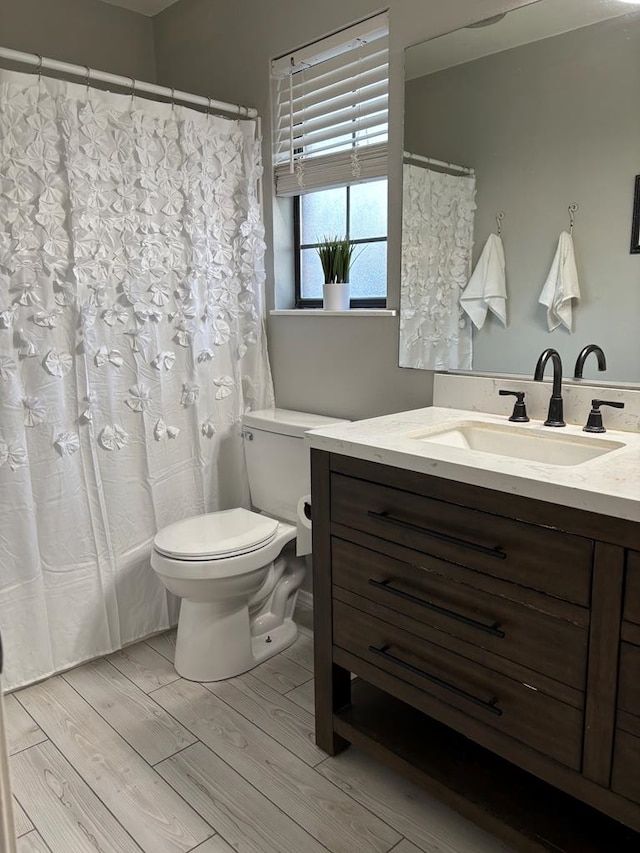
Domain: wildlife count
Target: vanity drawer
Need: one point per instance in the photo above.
(450, 680)
(632, 588)
(625, 777)
(539, 641)
(558, 564)
(629, 684)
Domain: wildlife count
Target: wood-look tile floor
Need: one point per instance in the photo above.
(121, 755)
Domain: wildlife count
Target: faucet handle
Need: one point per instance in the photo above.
(594, 421)
(519, 414)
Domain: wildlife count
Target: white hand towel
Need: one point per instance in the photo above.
(487, 288)
(561, 286)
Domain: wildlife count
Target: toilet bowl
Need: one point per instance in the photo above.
(221, 578)
(237, 578)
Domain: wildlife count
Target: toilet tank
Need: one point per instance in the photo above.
(278, 462)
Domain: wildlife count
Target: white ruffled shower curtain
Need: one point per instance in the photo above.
(438, 212)
(131, 343)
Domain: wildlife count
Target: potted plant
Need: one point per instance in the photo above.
(337, 254)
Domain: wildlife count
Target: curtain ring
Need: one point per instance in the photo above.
(173, 101)
(209, 109)
(39, 69)
(133, 88)
(88, 78)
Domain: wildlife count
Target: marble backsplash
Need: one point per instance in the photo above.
(480, 394)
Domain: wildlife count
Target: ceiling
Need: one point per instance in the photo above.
(522, 26)
(145, 7)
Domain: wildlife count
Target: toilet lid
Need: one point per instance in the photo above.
(217, 535)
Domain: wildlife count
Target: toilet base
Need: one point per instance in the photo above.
(267, 645)
(215, 643)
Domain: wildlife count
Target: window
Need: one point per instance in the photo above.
(359, 212)
(330, 140)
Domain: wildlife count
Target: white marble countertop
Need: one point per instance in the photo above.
(608, 484)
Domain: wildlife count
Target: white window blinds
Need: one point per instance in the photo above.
(331, 110)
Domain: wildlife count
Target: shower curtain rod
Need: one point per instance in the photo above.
(135, 86)
(429, 161)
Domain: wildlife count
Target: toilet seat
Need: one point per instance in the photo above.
(216, 536)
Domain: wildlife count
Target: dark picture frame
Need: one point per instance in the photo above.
(635, 228)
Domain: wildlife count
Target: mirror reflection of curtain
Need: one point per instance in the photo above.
(131, 344)
(437, 240)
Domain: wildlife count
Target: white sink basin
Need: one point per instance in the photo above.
(535, 445)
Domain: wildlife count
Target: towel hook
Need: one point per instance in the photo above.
(573, 209)
(499, 221)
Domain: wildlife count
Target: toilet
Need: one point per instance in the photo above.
(238, 587)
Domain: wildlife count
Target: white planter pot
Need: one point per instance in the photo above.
(335, 297)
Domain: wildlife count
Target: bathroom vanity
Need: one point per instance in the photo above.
(490, 607)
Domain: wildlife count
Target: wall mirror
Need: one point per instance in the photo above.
(508, 124)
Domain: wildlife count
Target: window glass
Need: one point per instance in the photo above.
(369, 210)
(369, 272)
(358, 212)
(311, 277)
(323, 213)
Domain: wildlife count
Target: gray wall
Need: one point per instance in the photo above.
(545, 125)
(87, 32)
(343, 367)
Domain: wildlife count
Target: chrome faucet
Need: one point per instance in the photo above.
(602, 361)
(555, 416)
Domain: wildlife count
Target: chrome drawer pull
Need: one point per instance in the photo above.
(491, 706)
(494, 630)
(435, 534)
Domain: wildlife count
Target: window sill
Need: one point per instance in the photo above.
(320, 312)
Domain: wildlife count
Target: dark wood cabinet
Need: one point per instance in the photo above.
(539, 558)
(632, 591)
(506, 627)
(460, 689)
(451, 605)
(625, 779)
(629, 690)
